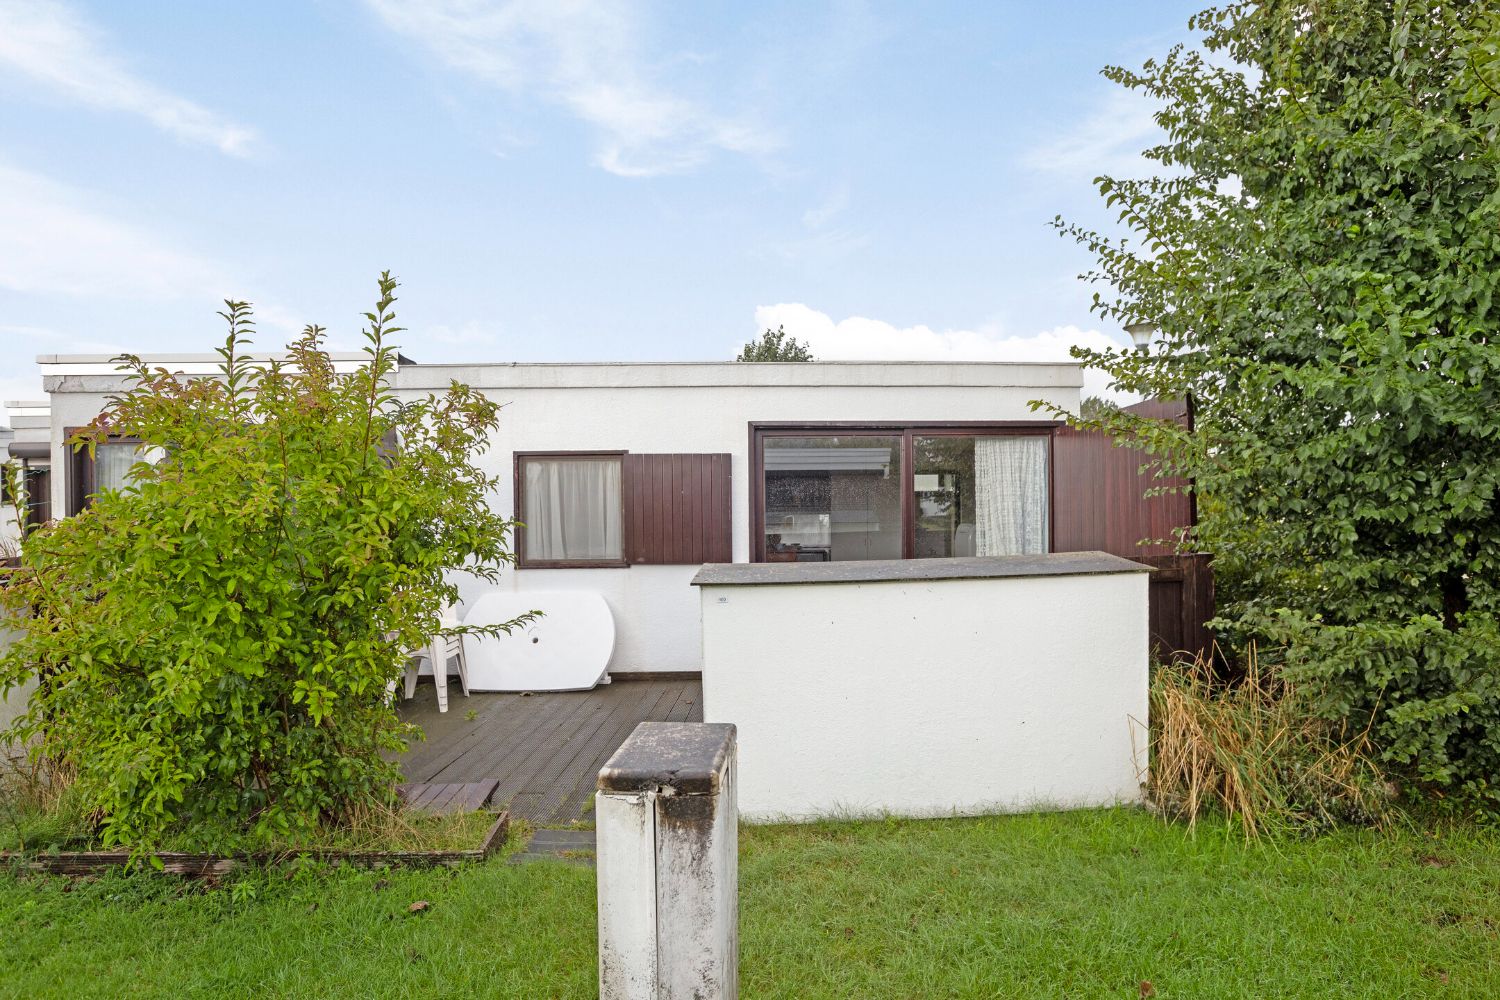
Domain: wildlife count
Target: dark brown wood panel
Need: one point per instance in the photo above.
(1099, 503)
(678, 509)
(1181, 603)
(1099, 488)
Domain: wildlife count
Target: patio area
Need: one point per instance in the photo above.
(544, 749)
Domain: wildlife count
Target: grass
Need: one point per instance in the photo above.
(39, 816)
(1088, 904)
(379, 830)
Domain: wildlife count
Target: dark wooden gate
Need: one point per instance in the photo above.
(1182, 602)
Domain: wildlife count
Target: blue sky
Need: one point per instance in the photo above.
(559, 181)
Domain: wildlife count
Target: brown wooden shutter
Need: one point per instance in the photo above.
(677, 509)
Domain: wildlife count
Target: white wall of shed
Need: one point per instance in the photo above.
(930, 698)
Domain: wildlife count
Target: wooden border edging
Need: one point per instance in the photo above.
(199, 865)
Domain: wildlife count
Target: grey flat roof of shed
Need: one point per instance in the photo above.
(893, 570)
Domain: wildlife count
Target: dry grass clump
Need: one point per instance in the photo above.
(383, 828)
(37, 807)
(39, 812)
(1251, 750)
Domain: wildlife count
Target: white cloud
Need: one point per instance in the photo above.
(277, 317)
(825, 211)
(586, 57)
(822, 242)
(55, 245)
(821, 249)
(858, 338)
(53, 45)
(1108, 141)
(58, 244)
(21, 388)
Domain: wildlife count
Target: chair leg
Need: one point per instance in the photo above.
(440, 672)
(463, 668)
(410, 679)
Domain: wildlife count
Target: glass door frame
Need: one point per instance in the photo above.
(907, 431)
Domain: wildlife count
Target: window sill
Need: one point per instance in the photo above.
(573, 564)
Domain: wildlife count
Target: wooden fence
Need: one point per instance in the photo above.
(1182, 602)
(1101, 504)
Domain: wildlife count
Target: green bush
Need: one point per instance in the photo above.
(1317, 252)
(214, 642)
(1432, 693)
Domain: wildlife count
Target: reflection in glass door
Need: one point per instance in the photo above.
(832, 498)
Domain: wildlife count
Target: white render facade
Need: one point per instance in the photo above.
(657, 408)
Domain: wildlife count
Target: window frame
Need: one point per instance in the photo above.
(522, 561)
(907, 431)
(80, 468)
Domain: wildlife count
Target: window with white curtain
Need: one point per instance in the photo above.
(571, 508)
(108, 468)
(942, 491)
(980, 495)
(112, 462)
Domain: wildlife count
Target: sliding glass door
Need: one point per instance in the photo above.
(876, 492)
(832, 498)
(980, 495)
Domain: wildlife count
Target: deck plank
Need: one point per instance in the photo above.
(424, 794)
(539, 754)
(442, 800)
(593, 747)
(475, 795)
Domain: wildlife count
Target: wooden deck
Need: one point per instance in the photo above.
(544, 750)
(436, 797)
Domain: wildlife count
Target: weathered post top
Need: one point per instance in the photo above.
(669, 865)
(671, 758)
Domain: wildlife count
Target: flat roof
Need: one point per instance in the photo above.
(917, 570)
(187, 364)
(622, 374)
(684, 374)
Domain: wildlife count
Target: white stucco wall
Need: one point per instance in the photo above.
(929, 698)
(12, 705)
(658, 408)
(709, 408)
(10, 527)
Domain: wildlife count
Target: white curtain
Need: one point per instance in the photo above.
(111, 464)
(1010, 495)
(573, 509)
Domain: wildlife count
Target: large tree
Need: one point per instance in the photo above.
(1321, 253)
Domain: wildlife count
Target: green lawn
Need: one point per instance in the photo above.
(1079, 905)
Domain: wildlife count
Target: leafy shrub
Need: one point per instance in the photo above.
(1318, 253)
(215, 641)
(1252, 751)
(1432, 693)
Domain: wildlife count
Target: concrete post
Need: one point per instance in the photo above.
(668, 865)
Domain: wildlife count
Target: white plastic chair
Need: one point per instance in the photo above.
(439, 652)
